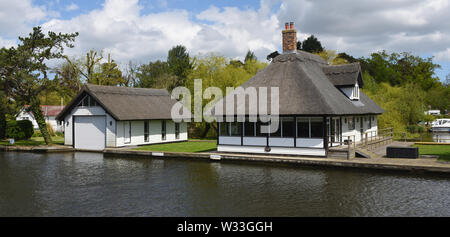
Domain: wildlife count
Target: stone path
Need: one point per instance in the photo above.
(381, 150)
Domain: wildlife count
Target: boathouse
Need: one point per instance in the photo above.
(110, 116)
(320, 105)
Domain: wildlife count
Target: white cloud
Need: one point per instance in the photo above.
(121, 29)
(7, 43)
(443, 55)
(72, 7)
(17, 17)
(356, 27)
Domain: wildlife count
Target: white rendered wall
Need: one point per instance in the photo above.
(274, 150)
(356, 132)
(137, 132)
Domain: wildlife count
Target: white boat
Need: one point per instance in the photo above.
(440, 125)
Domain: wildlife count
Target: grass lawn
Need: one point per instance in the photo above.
(443, 151)
(34, 141)
(189, 146)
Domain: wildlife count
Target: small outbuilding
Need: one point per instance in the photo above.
(110, 116)
(49, 112)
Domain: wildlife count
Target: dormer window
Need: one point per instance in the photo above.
(355, 93)
(352, 92)
(87, 101)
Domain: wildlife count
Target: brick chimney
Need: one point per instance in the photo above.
(289, 38)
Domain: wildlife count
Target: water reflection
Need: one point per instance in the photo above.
(86, 184)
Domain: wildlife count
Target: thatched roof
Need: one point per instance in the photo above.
(344, 74)
(124, 103)
(304, 88)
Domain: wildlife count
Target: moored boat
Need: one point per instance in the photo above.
(441, 125)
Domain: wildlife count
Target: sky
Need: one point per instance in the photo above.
(143, 31)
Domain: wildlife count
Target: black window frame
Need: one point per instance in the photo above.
(302, 130)
(163, 130)
(146, 131)
(177, 130)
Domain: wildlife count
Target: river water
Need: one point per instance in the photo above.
(87, 184)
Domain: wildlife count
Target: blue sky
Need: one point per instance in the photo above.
(142, 31)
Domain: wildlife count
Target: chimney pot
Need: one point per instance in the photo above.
(289, 38)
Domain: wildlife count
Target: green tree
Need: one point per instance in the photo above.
(68, 81)
(96, 72)
(250, 56)
(26, 72)
(331, 57)
(347, 57)
(179, 63)
(312, 45)
(401, 69)
(149, 74)
(109, 74)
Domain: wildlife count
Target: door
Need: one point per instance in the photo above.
(127, 132)
(89, 132)
(335, 131)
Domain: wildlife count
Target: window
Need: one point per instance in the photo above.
(146, 131)
(351, 123)
(287, 127)
(303, 127)
(258, 129)
(163, 130)
(355, 92)
(249, 129)
(87, 101)
(276, 133)
(224, 129)
(316, 127)
(177, 131)
(92, 102)
(370, 123)
(236, 129)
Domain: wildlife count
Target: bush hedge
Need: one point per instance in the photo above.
(19, 130)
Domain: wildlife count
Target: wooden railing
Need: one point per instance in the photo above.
(372, 139)
(351, 146)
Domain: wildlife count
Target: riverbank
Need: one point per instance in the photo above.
(423, 164)
(420, 165)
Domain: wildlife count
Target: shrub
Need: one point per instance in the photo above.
(50, 130)
(19, 130)
(27, 127)
(59, 134)
(37, 133)
(14, 131)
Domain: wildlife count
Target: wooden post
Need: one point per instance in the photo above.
(295, 132)
(325, 138)
(348, 147)
(366, 141)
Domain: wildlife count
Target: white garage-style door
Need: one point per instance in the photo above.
(89, 132)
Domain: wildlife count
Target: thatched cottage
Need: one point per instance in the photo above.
(319, 106)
